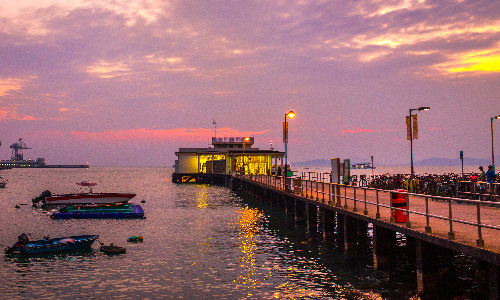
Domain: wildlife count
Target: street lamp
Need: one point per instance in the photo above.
(492, 150)
(410, 135)
(245, 139)
(290, 114)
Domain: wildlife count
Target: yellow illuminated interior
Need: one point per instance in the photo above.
(208, 158)
(252, 165)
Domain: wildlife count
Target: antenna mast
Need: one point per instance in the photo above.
(215, 123)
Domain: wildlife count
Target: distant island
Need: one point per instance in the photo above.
(433, 161)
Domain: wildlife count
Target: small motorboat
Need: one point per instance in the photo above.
(364, 165)
(25, 246)
(3, 182)
(99, 211)
(113, 249)
(97, 208)
(88, 197)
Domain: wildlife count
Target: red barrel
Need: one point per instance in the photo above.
(398, 200)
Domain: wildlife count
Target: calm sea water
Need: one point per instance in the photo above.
(200, 242)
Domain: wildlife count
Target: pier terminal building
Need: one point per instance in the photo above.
(228, 156)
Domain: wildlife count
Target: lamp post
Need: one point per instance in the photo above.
(412, 175)
(492, 150)
(245, 139)
(290, 114)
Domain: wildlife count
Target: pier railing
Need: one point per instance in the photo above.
(473, 222)
(447, 185)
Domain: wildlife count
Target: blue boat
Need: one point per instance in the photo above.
(131, 211)
(25, 246)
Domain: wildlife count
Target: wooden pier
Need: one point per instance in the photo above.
(434, 226)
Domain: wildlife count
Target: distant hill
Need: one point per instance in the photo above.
(313, 163)
(433, 161)
(468, 161)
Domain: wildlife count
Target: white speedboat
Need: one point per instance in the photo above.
(89, 197)
(364, 165)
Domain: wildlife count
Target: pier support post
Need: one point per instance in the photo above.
(340, 218)
(350, 232)
(487, 278)
(493, 282)
(384, 243)
(328, 217)
(362, 232)
(281, 202)
(436, 277)
(269, 201)
(312, 217)
(290, 208)
(300, 211)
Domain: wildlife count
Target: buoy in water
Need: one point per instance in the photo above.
(113, 249)
(143, 201)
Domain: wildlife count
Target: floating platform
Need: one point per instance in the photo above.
(137, 213)
(210, 178)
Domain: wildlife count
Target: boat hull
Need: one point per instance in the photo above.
(101, 198)
(55, 245)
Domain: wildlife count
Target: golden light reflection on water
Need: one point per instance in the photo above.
(248, 228)
(202, 199)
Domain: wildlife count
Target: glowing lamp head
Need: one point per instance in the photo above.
(424, 108)
(247, 139)
(497, 117)
(290, 114)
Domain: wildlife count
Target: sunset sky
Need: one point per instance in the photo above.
(128, 82)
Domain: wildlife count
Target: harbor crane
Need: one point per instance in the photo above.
(17, 150)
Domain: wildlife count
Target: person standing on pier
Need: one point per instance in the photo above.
(482, 175)
(490, 177)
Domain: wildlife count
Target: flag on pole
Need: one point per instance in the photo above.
(415, 127)
(408, 128)
(285, 132)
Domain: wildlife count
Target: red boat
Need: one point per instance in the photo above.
(89, 197)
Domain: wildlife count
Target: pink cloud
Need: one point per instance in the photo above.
(178, 134)
(8, 114)
(362, 130)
